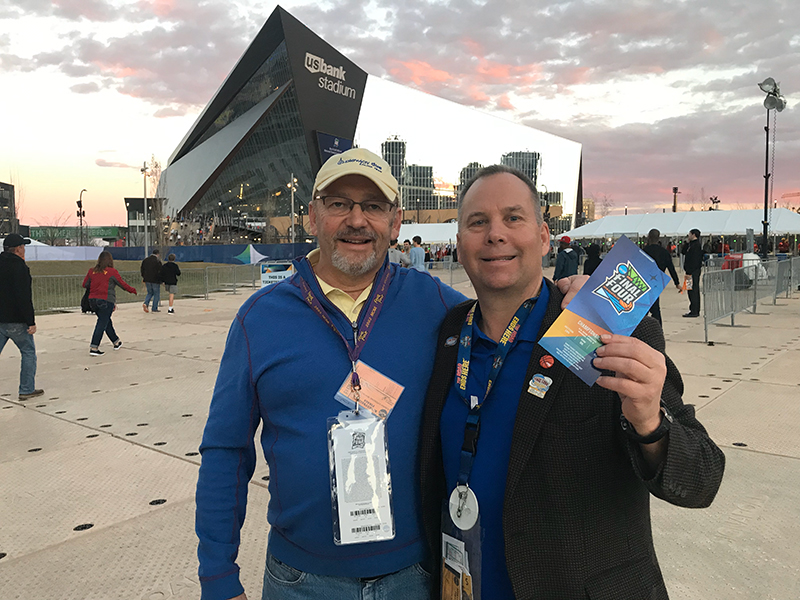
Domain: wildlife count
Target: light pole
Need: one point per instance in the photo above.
(626, 210)
(292, 185)
(675, 193)
(146, 221)
(774, 100)
(81, 214)
(417, 210)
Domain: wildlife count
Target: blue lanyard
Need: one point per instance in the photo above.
(472, 427)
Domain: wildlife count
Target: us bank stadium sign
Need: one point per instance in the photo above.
(332, 78)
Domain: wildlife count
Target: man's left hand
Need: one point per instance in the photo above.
(640, 374)
(569, 286)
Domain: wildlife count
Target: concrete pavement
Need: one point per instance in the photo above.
(98, 474)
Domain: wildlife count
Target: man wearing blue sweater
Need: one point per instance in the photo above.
(290, 348)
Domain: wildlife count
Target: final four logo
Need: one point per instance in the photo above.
(623, 288)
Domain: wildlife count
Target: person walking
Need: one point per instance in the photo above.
(593, 259)
(692, 263)
(664, 261)
(151, 277)
(17, 321)
(567, 261)
(101, 281)
(170, 272)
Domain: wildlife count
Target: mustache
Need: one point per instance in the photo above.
(353, 232)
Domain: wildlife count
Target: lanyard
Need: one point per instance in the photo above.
(473, 425)
(361, 334)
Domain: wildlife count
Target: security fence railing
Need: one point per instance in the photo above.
(54, 293)
(727, 292)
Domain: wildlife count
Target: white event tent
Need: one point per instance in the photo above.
(715, 222)
(431, 233)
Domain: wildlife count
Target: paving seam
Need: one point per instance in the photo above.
(762, 452)
(121, 438)
(92, 531)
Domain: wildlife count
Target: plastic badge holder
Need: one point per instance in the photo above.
(361, 483)
(460, 560)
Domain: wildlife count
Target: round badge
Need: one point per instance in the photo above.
(463, 507)
(546, 361)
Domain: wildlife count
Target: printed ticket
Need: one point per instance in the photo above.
(378, 393)
(616, 298)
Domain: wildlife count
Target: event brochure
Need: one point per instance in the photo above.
(614, 300)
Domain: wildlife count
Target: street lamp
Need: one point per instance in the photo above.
(146, 220)
(81, 214)
(626, 210)
(417, 210)
(774, 100)
(292, 185)
(675, 193)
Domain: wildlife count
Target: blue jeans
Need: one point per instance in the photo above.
(154, 292)
(103, 310)
(282, 582)
(18, 333)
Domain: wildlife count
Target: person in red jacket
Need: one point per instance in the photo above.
(101, 280)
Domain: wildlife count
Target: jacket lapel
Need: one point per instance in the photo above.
(532, 410)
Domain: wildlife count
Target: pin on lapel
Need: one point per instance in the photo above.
(546, 361)
(451, 341)
(539, 385)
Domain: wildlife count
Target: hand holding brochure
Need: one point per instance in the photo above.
(616, 298)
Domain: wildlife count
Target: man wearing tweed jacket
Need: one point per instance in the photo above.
(562, 472)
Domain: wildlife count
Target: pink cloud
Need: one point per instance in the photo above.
(417, 72)
(101, 162)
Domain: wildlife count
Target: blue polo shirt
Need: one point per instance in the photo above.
(489, 470)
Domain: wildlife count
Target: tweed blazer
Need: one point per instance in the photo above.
(576, 512)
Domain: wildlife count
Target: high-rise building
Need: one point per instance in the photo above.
(466, 174)
(393, 152)
(8, 210)
(527, 162)
(418, 188)
(588, 209)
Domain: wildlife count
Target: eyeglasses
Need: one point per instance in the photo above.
(339, 206)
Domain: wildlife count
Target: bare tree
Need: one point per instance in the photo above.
(158, 213)
(55, 231)
(603, 204)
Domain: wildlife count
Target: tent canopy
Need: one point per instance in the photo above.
(715, 222)
(431, 233)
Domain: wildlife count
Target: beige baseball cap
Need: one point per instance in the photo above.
(358, 161)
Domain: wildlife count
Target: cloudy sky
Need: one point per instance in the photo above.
(660, 93)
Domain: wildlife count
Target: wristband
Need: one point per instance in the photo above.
(660, 431)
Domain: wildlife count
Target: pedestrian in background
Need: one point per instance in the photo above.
(396, 255)
(692, 263)
(593, 259)
(567, 260)
(101, 280)
(151, 277)
(664, 261)
(170, 272)
(417, 255)
(16, 311)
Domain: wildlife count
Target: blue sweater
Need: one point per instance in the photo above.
(281, 367)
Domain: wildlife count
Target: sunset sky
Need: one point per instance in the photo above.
(660, 94)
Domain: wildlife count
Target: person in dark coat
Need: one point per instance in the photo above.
(170, 271)
(567, 260)
(17, 322)
(664, 261)
(151, 277)
(692, 263)
(559, 474)
(593, 259)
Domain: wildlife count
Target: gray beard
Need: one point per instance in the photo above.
(354, 268)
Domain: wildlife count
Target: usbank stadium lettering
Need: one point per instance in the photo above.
(316, 64)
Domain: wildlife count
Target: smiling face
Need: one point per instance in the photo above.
(352, 246)
(500, 242)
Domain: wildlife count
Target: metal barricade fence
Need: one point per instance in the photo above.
(56, 292)
(782, 279)
(717, 297)
(795, 274)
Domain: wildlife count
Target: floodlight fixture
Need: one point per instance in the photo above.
(768, 86)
